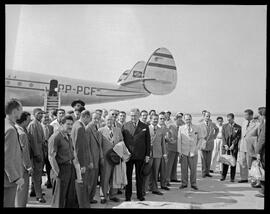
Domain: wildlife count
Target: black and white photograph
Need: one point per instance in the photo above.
(135, 106)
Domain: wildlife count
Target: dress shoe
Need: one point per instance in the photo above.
(168, 184)
(32, 194)
(232, 180)
(103, 201)
(157, 193)
(41, 200)
(222, 179)
(165, 188)
(93, 201)
(115, 199)
(243, 181)
(141, 199)
(194, 187)
(182, 187)
(212, 171)
(49, 185)
(119, 192)
(176, 181)
(128, 199)
(259, 195)
(208, 175)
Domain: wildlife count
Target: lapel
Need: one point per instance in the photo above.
(138, 128)
(131, 128)
(94, 132)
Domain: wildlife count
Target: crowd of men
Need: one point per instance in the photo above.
(83, 150)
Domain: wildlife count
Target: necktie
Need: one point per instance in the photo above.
(111, 134)
(134, 124)
(248, 124)
(96, 127)
(46, 132)
(189, 129)
(155, 129)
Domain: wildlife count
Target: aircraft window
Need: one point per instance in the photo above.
(137, 74)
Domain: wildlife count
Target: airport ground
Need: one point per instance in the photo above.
(212, 194)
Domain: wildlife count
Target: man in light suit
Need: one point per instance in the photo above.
(95, 140)
(13, 172)
(37, 141)
(114, 114)
(137, 140)
(231, 135)
(81, 148)
(189, 139)
(112, 136)
(157, 152)
(171, 173)
(21, 125)
(209, 133)
(60, 113)
(48, 131)
(246, 146)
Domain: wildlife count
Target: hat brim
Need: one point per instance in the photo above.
(77, 101)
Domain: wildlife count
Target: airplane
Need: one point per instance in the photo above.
(157, 76)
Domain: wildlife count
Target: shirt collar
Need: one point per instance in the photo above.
(82, 123)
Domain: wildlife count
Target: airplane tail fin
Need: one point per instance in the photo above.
(158, 76)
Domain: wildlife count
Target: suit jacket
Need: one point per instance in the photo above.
(157, 142)
(208, 138)
(109, 143)
(172, 143)
(231, 136)
(37, 138)
(13, 155)
(80, 142)
(25, 145)
(260, 145)
(137, 140)
(51, 131)
(247, 137)
(95, 141)
(189, 143)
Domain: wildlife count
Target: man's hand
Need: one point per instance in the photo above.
(226, 147)
(165, 157)
(180, 157)
(258, 156)
(20, 182)
(91, 165)
(83, 169)
(232, 147)
(147, 159)
(30, 171)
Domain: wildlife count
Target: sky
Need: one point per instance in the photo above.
(220, 51)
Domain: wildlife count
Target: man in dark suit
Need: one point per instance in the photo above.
(231, 135)
(48, 131)
(95, 140)
(81, 148)
(137, 139)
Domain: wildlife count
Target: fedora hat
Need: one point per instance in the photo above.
(113, 157)
(146, 167)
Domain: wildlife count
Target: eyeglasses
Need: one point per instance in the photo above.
(162, 118)
(114, 114)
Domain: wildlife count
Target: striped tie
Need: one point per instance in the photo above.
(111, 134)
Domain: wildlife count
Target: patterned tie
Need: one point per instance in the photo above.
(155, 130)
(46, 132)
(111, 134)
(248, 124)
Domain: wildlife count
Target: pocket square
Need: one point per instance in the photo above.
(144, 130)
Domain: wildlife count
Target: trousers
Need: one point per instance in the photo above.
(171, 169)
(21, 198)
(216, 154)
(206, 161)
(191, 163)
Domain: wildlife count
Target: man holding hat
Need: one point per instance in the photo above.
(37, 141)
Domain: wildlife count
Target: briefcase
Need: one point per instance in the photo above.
(256, 171)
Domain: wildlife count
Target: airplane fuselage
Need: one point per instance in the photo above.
(30, 89)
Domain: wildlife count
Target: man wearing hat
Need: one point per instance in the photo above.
(37, 141)
(77, 104)
(168, 118)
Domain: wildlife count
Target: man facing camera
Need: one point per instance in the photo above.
(189, 138)
(137, 139)
(231, 135)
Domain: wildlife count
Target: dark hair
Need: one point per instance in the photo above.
(70, 112)
(11, 105)
(153, 115)
(54, 112)
(144, 111)
(23, 117)
(65, 118)
(122, 112)
(60, 109)
(152, 111)
(162, 112)
(220, 118)
(230, 115)
(99, 110)
(249, 111)
(262, 111)
(80, 109)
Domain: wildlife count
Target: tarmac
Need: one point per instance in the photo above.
(212, 194)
